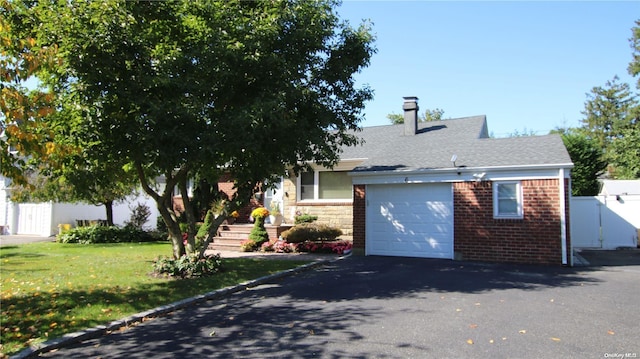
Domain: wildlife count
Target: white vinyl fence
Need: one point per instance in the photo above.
(606, 222)
(42, 219)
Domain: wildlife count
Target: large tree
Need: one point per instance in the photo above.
(607, 111)
(185, 89)
(22, 109)
(588, 165)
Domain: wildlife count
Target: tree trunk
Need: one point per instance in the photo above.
(165, 207)
(175, 234)
(212, 233)
(109, 206)
(191, 219)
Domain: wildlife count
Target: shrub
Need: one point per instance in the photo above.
(258, 233)
(338, 247)
(204, 229)
(140, 214)
(249, 246)
(305, 218)
(104, 234)
(160, 225)
(188, 266)
(311, 232)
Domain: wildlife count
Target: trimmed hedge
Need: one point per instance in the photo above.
(313, 232)
(105, 234)
(305, 218)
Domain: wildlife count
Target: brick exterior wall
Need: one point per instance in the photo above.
(359, 217)
(225, 185)
(536, 238)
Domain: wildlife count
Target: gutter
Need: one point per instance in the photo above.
(563, 217)
(463, 169)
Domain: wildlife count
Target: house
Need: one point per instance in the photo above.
(43, 218)
(444, 190)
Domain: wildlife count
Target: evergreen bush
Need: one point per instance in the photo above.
(311, 232)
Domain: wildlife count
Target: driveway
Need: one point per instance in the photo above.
(15, 239)
(385, 307)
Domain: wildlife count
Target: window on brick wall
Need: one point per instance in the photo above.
(507, 200)
(325, 186)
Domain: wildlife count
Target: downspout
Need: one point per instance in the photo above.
(563, 219)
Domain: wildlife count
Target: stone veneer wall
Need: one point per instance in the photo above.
(335, 214)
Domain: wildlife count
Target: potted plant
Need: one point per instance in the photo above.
(275, 216)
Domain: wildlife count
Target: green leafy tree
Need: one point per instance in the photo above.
(23, 129)
(625, 154)
(625, 150)
(181, 89)
(608, 112)
(634, 65)
(611, 119)
(586, 156)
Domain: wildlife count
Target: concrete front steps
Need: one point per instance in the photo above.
(230, 235)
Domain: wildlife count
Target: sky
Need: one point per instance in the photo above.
(527, 66)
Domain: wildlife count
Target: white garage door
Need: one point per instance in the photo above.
(410, 220)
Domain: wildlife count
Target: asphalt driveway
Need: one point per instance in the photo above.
(384, 307)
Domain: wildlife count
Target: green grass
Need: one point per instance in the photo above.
(49, 289)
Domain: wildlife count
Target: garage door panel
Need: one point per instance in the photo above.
(410, 220)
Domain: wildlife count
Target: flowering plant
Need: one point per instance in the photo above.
(338, 247)
(260, 212)
(249, 245)
(279, 246)
(235, 214)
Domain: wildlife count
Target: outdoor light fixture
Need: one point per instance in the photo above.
(479, 176)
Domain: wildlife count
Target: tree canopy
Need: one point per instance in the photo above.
(185, 89)
(586, 156)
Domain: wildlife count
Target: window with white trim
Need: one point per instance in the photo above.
(325, 186)
(507, 200)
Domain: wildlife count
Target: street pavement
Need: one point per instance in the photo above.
(386, 307)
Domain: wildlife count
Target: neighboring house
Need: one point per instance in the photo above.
(43, 219)
(444, 190)
(609, 220)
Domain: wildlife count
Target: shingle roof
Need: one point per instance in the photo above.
(386, 148)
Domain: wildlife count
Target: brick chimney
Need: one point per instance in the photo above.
(410, 107)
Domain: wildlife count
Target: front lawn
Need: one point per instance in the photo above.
(49, 289)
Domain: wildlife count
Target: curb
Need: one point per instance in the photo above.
(100, 330)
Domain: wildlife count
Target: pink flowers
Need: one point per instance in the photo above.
(281, 246)
(338, 247)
